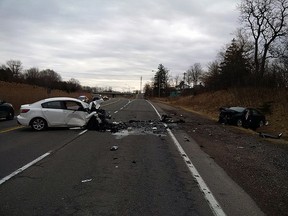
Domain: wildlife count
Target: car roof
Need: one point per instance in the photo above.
(238, 109)
(60, 98)
(57, 99)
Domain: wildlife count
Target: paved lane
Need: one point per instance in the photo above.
(145, 176)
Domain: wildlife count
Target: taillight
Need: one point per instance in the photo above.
(24, 110)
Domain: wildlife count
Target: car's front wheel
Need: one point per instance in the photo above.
(38, 124)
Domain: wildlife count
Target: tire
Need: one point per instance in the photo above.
(38, 124)
(261, 123)
(10, 115)
(239, 123)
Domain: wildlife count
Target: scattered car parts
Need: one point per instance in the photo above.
(268, 135)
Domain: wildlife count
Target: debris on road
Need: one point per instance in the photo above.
(114, 148)
(101, 122)
(267, 135)
(169, 119)
(86, 180)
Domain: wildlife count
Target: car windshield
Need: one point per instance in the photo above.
(237, 109)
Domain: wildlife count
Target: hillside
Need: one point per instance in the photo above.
(18, 94)
(274, 103)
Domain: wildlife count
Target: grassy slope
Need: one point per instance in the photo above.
(209, 104)
(18, 94)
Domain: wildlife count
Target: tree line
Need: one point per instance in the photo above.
(48, 78)
(256, 57)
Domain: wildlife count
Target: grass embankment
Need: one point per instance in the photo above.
(273, 102)
(18, 94)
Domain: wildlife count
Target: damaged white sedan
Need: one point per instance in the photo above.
(55, 112)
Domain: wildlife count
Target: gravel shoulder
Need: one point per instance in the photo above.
(259, 165)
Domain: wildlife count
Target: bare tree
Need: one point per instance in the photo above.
(49, 78)
(32, 76)
(267, 21)
(73, 85)
(194, 73)
(176, 79)
(15, 66)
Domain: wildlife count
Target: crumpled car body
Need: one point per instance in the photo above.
(242, 117)
(55, 112)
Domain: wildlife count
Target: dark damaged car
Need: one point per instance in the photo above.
(242, 117)
(6, 110)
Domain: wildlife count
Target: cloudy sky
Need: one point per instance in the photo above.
(113, 43)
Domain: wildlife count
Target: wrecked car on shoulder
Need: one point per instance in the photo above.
(57, 112)
(242, 117)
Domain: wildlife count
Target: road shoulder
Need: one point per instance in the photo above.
(257, 166)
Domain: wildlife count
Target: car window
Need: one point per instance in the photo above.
(53, 105)
(72, 105)
(255, 112)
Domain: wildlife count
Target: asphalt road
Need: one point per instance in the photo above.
(146, 175)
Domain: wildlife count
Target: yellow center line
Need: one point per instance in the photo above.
(11, 129)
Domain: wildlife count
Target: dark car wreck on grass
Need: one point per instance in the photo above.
(242, 117)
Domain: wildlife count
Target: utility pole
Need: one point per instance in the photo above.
(141, 85)
(159, 84)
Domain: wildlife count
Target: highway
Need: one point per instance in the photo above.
(75, 172)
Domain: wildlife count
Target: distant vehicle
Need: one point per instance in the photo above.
(55, 112)
(6, 110)
(84, 98)
(242, 117)
(105, 98)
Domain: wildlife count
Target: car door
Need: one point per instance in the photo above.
(256, 117)
(75, 114)
(54, 113)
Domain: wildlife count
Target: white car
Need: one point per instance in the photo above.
(55, 112)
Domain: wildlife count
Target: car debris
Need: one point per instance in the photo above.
(86, 180)
(267, 135)
(168, 119)
(100, 121)
(114, 148)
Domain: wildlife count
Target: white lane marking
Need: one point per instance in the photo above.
(123, 106)
(82, 132)
(24, 167)
(31, 163)
(213, 203)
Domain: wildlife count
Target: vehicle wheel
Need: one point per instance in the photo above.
(38, 124)
(10, 115)
(223, 120)
(239, 123)
(261, 123)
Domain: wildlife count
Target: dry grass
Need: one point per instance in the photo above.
(209, 104)
(18, 94)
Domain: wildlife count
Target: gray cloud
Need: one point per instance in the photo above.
(113, 43)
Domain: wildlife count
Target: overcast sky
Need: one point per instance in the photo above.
(115, 42)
